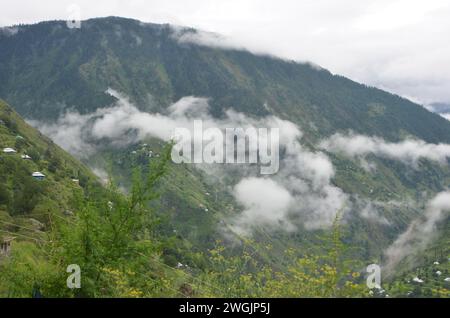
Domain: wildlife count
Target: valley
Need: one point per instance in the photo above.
(361, 170)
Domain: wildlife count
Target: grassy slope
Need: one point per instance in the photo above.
(24, 199)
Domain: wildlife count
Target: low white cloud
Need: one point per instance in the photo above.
(101, 173)
(69, 132)
(420, 233)
(371, 210)
(265, 202)
(302, 190)
(409, 151)
(442, 109)
(308, 175)
(120, 124)
(304, 176)
(9, 31)
(300, 194)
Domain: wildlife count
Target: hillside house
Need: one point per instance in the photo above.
(25, 157)
(38, 175)
(9, 150)
(417, 280)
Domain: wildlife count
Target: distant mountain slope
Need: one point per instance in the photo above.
(47, 68)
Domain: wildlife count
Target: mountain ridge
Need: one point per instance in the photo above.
(157, 70)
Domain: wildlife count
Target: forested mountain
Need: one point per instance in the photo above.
(48, 70)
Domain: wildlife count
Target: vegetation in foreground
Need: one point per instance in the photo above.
(112, 238)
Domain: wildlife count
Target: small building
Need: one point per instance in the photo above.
(5, 245)
(417, 280)
(38, 175)
(9, 150)
(25, 157)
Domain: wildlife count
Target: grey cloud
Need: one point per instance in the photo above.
(442, 109)
(420, 233)
(302, 185)
(265, 203)
(9, 31)
(302, 190)
(69, 132)
(409, 151)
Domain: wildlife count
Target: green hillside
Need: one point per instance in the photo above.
(44, 221)
(27, 204)
(123, 247)
(47, 69)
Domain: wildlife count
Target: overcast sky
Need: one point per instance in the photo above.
(399, 45)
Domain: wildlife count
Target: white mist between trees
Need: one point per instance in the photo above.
(301, 188)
